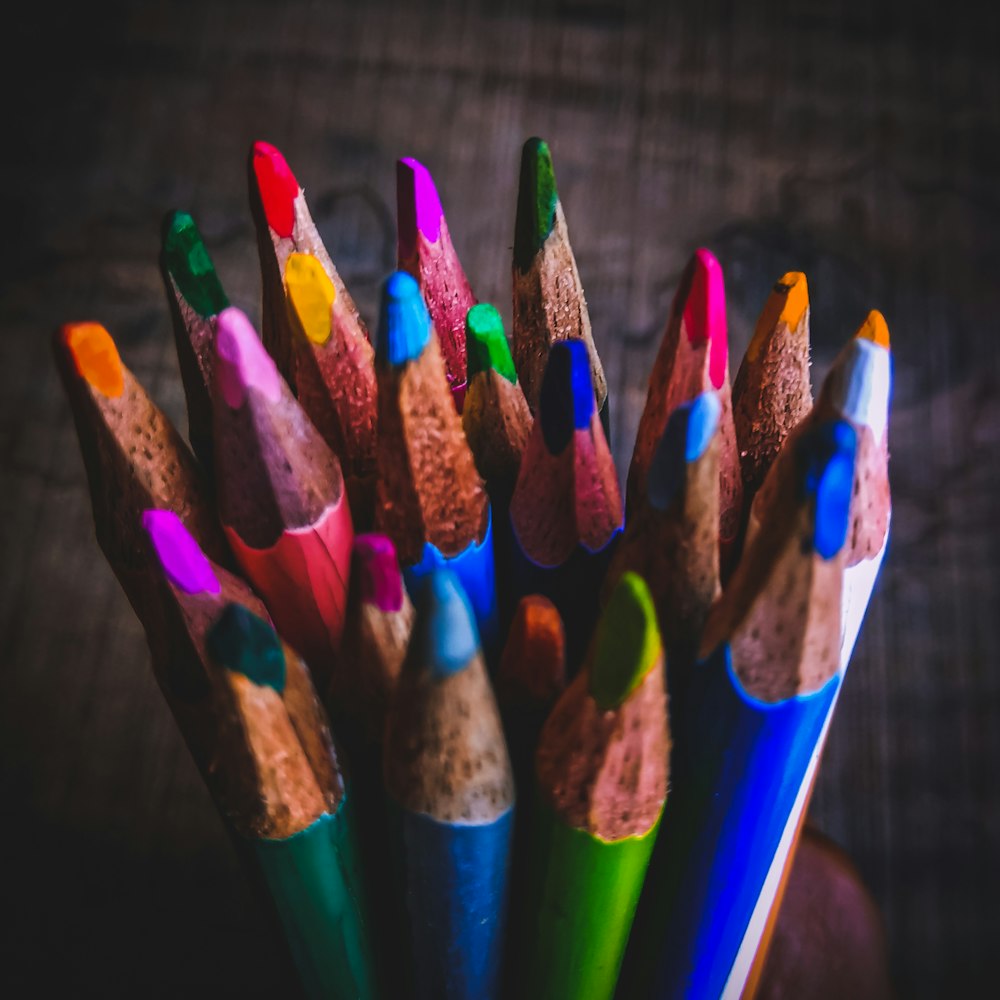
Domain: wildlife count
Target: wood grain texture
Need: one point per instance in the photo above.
(860, 145)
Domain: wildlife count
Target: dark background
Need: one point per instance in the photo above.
(859, 143)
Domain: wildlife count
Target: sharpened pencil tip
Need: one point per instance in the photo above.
(188, 263)
(446, 630)
(536, 202)
(241, 362)
(311, 295)
(705, 311)
(277, 187)
(533, 665)
(404, 327)
(689, 430)
(375, 572)
(418, 207)
(248, 645)
(627, 644)
(859, 384)
(486, 343)
(95, 357)
(567, 398)
(825, 458)
(794, 288)
(875, 329)
(180, 556)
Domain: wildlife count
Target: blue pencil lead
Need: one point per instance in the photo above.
(404, 325)
(567, 398)
(689, 430)
(446, 628)
(826, 467)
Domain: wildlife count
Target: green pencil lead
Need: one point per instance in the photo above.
(627, 645)
(486, 343)
(190, 266)
(536, 202)
(246, 644)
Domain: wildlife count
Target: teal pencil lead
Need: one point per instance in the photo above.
(246, 644)
(188, 263)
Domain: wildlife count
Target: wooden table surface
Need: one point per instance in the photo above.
(858, 143)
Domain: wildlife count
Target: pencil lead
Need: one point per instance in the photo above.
(533, 665)
(536, 202)
(486, 343)
(417, 205)
(376, 570)
(689, 430)
(404, 326)
(248, 645)
(446, 630)
(185, 565)
(277, 186)
(95, 356)
(705, 311)
(627, 645)
(567, 398)
(825, 459)
(188, 263)
(859, 381)
(241, 361)
(311, 295)
(875, 329)
(787, 304)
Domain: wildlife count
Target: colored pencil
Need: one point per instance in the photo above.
(495, 418)
(549, 304)
(693, 358)
(602, 771)
(247, 708)
(281, 496)
(672, 537)
(447, 770)
(334, 372)
(857, 389)
(566, 512)
(772, 392)
(134, 458)
(195, 297)
(425, 250)
(748, 741)
(430, 499)
(284, 226)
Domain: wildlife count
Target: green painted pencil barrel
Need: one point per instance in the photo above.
(582, 897)
(315, 881)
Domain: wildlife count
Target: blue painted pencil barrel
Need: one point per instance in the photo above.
(456, 897)
(475, 570)
(737, 767)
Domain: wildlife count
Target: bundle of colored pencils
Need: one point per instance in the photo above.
(441, 746)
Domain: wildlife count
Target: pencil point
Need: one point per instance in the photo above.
(311, 294)
(533, 664)
(446, 630)
(627, 645)
(567, 399)
(826, 467)
(404, 326)
(241, 360)
(486, 343)
(795, 289)
(859, 383)
(536, 202)
(875, 329)
(418, 206)
(189, 264)
(705, 311)
(277, 186)
(690, 429)
(180, 556)
(248, 645)
(95, 356)
(376, 572)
